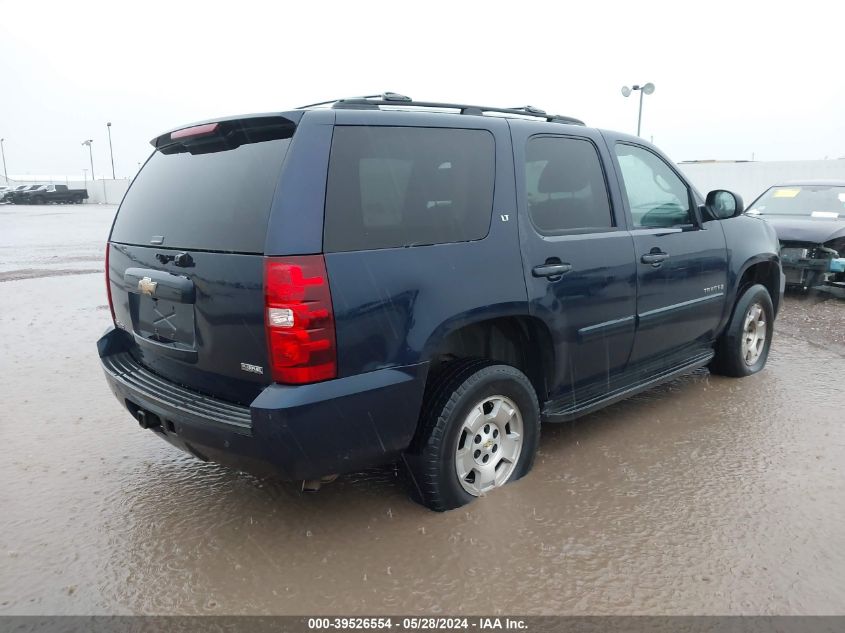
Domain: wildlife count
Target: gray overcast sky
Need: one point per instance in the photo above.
(733, 78)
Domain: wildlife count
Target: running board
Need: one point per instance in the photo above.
(559, 411)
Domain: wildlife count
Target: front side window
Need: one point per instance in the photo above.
(403, 186)
(657, 196)
(565, 185)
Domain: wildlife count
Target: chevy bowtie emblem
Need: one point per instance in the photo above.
(147, 286)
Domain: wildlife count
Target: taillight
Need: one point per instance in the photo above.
(108, 282)
(197, 130)
(299, 319)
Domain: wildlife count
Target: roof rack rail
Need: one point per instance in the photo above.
(319, 103)
(374, 102)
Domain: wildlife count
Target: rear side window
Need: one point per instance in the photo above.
(565, 185)
(215, 200)
(400, 186)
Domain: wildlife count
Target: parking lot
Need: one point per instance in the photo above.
(705, 496)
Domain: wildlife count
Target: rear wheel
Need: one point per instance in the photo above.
(77, 199)
(743, 348)
(479, 429)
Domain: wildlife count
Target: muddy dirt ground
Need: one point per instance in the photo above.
(705, 496)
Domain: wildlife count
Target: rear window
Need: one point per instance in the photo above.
(216, 200)
(400, 186)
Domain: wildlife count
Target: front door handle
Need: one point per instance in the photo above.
(552, 270)
(654, 258)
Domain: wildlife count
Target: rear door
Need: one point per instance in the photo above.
(578, 257)
(185, 260)
(681, 261)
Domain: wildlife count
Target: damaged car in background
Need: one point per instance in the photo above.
(809, 218)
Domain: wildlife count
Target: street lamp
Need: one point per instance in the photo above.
(3, 151)
(111, 153)
(90, 156)
(646, 89)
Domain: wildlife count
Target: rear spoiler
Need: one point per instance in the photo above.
(226, 134)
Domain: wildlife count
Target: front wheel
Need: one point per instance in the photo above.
(478, 430)
(743, 348)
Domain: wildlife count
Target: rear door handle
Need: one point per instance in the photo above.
(551, 270)
(159, 284)
(655, 259)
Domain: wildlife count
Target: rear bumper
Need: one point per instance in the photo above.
(292, 432)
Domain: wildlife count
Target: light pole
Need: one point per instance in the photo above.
(646, 89)
(111, 152)
(3, 151)
(90, 156)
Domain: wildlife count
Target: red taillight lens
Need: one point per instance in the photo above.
(299, 319)
(108, 282)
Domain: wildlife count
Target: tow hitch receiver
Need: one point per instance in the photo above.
(147, 420)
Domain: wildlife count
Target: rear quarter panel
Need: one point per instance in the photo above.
(393, 306)
(296, 217)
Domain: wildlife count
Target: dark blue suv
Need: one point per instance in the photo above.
(382, 280)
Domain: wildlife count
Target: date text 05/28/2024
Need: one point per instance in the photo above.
(416, 624)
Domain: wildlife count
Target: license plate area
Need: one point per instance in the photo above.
(163, 321)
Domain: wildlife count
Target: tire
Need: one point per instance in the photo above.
(735, 359)
(77, 200)
(38, 200)
(472, 403)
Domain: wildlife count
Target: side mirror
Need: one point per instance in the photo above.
(724, 204)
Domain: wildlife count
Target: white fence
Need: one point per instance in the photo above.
(104, 191)
(750, 179)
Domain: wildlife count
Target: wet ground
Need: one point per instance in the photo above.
(705, 496)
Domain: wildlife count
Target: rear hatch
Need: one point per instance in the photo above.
(186, 255)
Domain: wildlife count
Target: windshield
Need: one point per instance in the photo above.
(824, 201)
